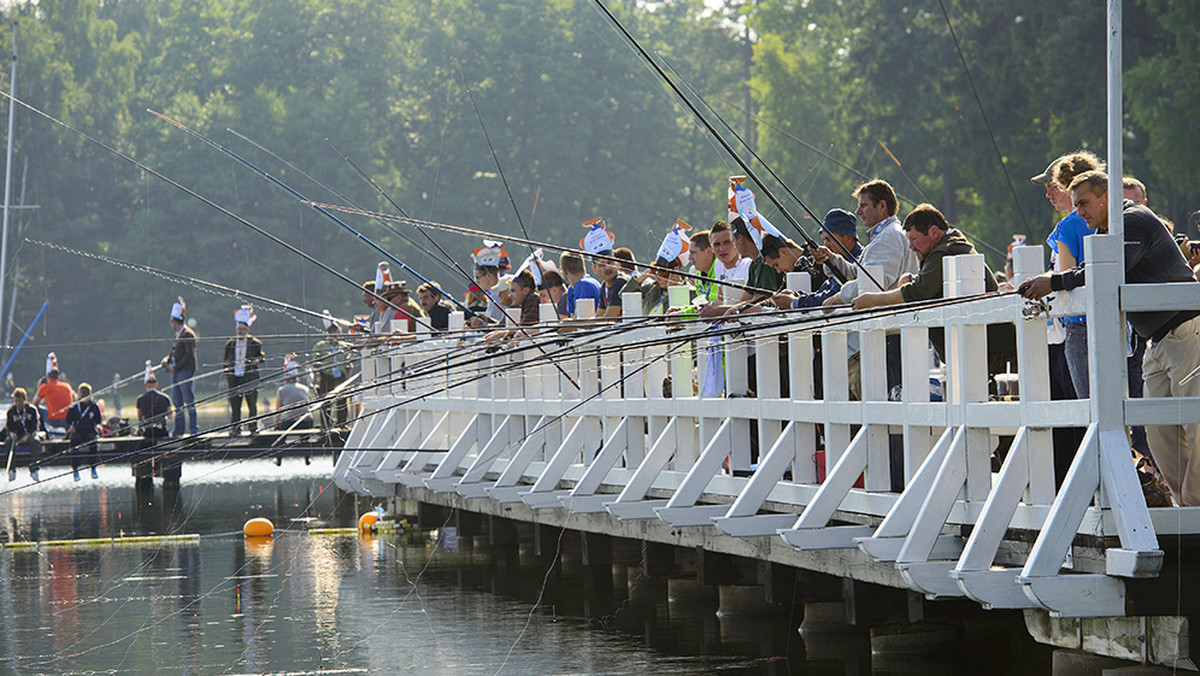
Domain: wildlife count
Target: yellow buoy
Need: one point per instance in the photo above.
(258, 527)
(367, 520)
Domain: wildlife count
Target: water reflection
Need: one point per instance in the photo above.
(427, 602)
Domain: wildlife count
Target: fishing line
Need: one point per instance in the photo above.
(983, 114)
(399, 233)
(270, 304)
(303, 200)
(186, 191)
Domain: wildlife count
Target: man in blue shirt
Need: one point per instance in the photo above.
(580, 284)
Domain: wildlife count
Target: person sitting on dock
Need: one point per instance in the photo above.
(153, 408)
(290, 397)
(83, 417)
(243, 354)
(334, 364)
(22, 428)
(58, 397)
(181, 364)
(1151, 256)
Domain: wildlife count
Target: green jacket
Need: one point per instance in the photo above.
(333, 356)
(928, 283)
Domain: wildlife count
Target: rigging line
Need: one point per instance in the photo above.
(729, 149)
(187, 191)
(300, 197)
(458, 229)
(820, 223)
(983, 114)
(211, 287)
(399, 233)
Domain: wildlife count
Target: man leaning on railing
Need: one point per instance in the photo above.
(1151, 256)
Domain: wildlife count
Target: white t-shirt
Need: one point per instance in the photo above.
(739, 273)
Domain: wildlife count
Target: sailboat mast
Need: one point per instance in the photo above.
(8, 163)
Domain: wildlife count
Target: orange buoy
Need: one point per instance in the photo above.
(367, 520)
(258, 527)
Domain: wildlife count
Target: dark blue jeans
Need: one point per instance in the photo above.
(183, 398)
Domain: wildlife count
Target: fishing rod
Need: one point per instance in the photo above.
(983, 114)
(188, 191)
(753, 153)
(195, 282)
(399, 233)
(728, 148)
(458, 229)
(250, 165)
(500, 170)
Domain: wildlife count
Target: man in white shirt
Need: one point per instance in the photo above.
(887, 246)
(730, 266)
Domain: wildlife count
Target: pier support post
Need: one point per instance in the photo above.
(545, 539)
(468, 524)
(501, 531)
(430, 516)
(595, 549)
(781, 585)
(721, 569)
(658, 559)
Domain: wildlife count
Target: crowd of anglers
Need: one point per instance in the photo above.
(738, 265)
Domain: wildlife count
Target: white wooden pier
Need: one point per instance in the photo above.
(511, 436)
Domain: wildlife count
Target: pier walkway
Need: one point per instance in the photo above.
(792, 471)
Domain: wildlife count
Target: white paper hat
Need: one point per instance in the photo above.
(148, 376)
(327, 319)
(179, 309)
(51, 363)
(534, 264)
(383, 276)
(245, 315)
(291, 369)
(756, 223)
(489, 255)
(676, 243)
(598, 239)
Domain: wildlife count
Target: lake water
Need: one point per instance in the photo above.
(410, 602)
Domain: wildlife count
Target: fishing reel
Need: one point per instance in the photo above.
(1037, 308)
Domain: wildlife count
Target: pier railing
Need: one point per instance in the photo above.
(612, 421)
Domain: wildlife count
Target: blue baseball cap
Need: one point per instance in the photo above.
(841, 222)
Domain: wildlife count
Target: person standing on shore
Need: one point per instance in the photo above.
(181, 364)
(243, 354)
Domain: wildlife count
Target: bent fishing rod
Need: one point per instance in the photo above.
(725, 144)
(250, 165)
(189, 192)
